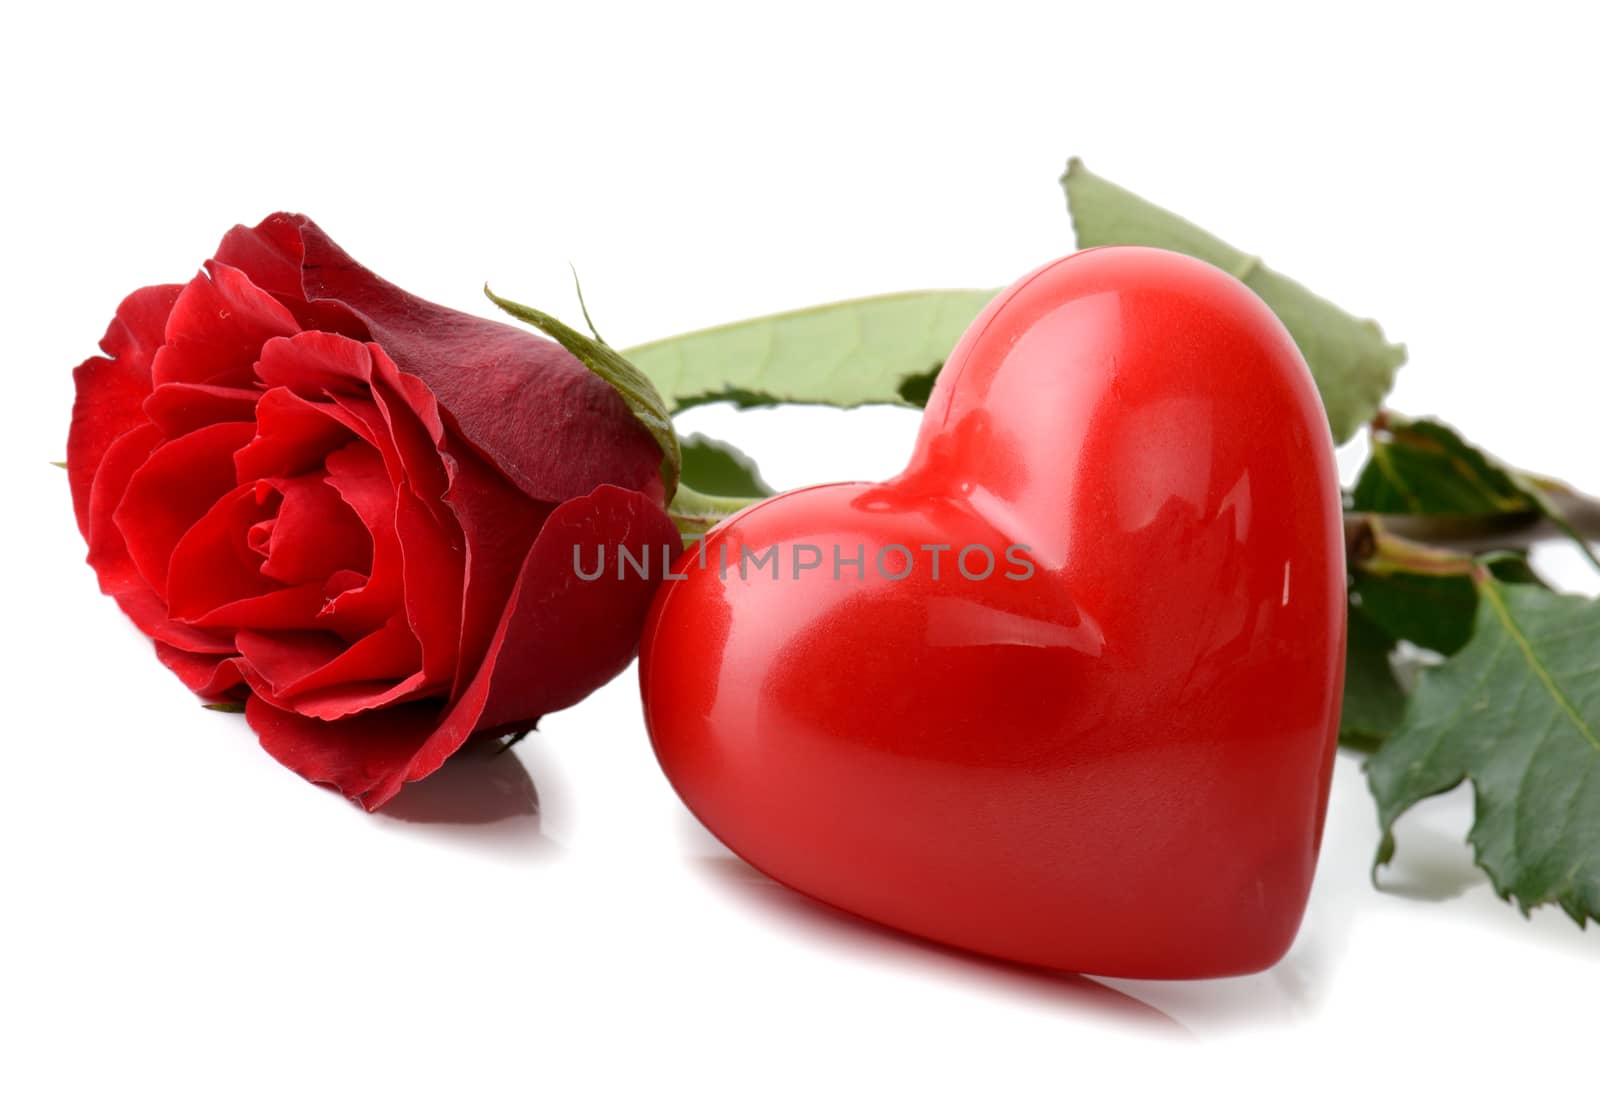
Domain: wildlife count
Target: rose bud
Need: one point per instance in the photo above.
(355, 511)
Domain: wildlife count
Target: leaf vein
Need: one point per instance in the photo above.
(1536, 664)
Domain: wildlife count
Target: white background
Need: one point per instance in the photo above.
(187, 926)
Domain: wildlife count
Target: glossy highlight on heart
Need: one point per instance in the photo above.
(1118, 764)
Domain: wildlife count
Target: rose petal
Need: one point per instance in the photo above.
(357, 473)
(259, 536)
(353, 755)
(315, 534)
(110, 391)
(412, 416)
(363, 417)
(217, 328)
(412, 438)
(179, 408)
(108, 553)
(316, 364)
(216, 579)
(171, 490)
(344, 581)
(275, 660)
(293, 435)
(325, 678)
(394, 412)
(212, 676)
(533, 410)
(303, 607)
(498, 524)
(386, 656)
(432, 567)
(272, 254)
(212, 564)
(563, 637)
(358, 698)
(559, 638)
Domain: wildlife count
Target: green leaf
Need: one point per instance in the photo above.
(1422, 467)
(1544, 494)
(1517, 712)
(1373, 699)
(643, 400)
(718, 468)
(845, 354)
(1425, 467)
(1386, 609)
(1349, 358)
(1434, 612)
(236, 707)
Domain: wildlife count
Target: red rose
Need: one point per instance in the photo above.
(356, 510)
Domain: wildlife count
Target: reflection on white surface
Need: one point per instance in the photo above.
(1286, 993)
(483, 796)
(823, 926)
(1434, 866)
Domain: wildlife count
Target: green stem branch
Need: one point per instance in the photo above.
(1448, 544)
(694, 512)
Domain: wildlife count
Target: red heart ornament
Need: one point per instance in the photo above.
(1104, 747)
